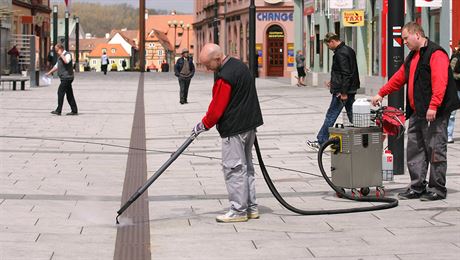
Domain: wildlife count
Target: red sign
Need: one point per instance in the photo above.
(27, 19)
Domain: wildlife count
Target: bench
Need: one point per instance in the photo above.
(15, 79)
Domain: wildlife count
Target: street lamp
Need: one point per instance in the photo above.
(55, 31)
(188, 26)
(174, 24)
(66, 30)
(77, 43)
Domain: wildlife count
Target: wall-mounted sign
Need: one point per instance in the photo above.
(428, 3)
(268, 16)
(341, 4)
(353, 18)
(259, 54)
(308, 7)
(275, 35)
(274, 1)
(27, 19)
(397, 40)
(290, 54)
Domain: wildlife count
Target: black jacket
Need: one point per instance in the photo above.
(243, 110)
(456, 68)
(180, 64)
(344, 72)
(422, 84)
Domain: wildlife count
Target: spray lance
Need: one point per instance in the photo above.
(157, 174)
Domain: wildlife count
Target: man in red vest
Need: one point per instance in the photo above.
(430, 98)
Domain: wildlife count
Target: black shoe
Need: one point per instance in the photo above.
(430, 196)
(409, 195)
(54, 112)
(181, 102)
(72, 114)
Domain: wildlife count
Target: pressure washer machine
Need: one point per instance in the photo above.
(356, 160)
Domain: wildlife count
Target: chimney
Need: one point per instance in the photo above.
(107, 35)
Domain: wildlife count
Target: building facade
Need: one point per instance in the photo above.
(21, 19)
(274, 32)
(314, 18)
(116, 54)
(166, 37)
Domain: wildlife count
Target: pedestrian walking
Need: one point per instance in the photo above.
(104, 62)
(184, 71)
(343, 86)
(65, 72)
(123, 64)
(430, 98)
(235, 110)
(300, 64)
(455, 66)
(14, 59)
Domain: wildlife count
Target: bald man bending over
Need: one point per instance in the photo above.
(235, 111)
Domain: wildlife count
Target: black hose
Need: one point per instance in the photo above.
(389, 202)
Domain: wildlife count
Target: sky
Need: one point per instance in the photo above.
(185, 6)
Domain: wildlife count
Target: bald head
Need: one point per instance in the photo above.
(211, 56)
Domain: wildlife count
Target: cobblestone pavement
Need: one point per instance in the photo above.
(61, 179)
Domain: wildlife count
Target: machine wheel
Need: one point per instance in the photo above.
(355, 193)
(338, 194)
(380, 192)
(365, 191)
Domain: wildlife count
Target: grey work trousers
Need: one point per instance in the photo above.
(427, 145)
(238, 171)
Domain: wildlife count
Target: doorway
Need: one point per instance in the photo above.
(275, 51)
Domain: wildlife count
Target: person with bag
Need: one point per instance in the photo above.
(104, 62)
(455, 65)
(65, 72)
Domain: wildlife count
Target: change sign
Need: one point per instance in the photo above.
(353, 18)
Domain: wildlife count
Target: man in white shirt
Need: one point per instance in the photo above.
(65, 72)
(104, 62)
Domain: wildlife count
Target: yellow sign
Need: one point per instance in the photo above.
(259, 54)
(275, 34)
(353, 18)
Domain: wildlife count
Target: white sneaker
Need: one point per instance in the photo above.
(253, 214)
(313, 145)
(232, 216)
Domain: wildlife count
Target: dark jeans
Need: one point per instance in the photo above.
(427, 148)
(65, 88)
(104, 69)
(183, 93)
(332, 113)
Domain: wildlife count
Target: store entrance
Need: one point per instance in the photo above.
(275, 51)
